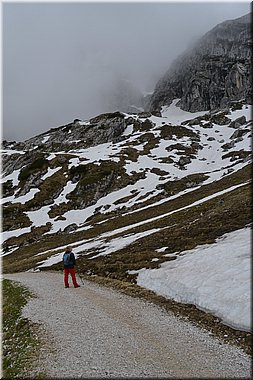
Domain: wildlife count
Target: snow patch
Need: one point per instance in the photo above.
(215, 278)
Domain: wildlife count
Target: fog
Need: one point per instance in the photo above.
(63, 61)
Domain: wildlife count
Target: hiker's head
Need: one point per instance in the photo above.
(69, 248)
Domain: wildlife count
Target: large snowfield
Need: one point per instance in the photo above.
(216, 277)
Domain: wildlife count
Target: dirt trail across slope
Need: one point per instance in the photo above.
(98, 332)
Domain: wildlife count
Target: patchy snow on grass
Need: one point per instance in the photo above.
(11, 177)
(22, 198)
(98, 245)
(96, 153)
(215, 277)
(207, 161)
(5, 235)
(123, 241)
(50, 172)
(66, 190)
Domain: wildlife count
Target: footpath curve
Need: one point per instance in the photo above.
(98, 332)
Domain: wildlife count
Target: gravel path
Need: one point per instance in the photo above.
(99, 332)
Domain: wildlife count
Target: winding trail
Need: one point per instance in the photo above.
(97, 332)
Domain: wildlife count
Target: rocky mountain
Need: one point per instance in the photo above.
(212, 74)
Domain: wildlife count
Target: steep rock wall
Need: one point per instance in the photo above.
(214, 73)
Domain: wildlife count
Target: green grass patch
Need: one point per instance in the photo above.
(20, 339)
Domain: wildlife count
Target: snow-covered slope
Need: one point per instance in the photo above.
(121, 187)
(176, 151)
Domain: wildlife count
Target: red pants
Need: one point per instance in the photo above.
(73, 276)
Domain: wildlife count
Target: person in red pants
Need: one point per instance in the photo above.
(69, 262)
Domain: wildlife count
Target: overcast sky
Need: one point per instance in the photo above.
(59, 59)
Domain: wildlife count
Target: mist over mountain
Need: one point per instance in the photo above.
(60, 57)
(122, 95)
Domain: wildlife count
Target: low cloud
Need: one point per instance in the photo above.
(62, 61)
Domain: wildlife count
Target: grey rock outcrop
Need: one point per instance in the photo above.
(214, 73)
(101, 129)
(238, 122)
(184, 160)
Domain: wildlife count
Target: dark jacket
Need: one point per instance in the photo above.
(72, 262)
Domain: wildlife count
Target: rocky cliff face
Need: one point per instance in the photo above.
(214, 73)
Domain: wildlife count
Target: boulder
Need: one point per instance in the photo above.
(239, 133)
(237, 123)
(184, 160)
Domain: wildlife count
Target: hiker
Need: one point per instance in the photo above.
(69, 262)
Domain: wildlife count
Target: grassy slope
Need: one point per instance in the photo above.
(182, 230)
(20, 340)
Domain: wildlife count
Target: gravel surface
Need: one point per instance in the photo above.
(94, 331)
